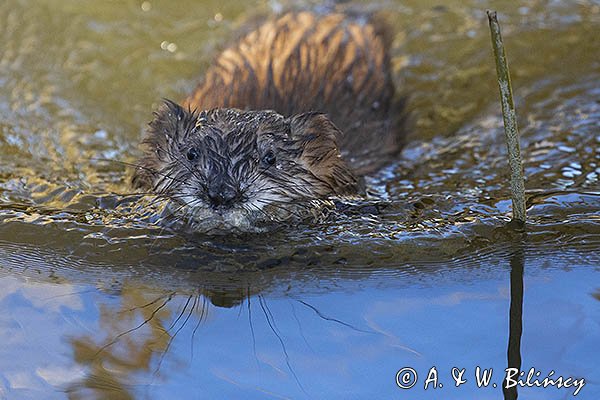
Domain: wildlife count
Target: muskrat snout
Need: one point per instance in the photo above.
(220, 195)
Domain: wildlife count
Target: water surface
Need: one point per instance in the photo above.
(97, 300)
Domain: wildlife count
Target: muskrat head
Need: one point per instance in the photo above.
(228, 168)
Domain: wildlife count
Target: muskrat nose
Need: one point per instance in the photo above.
(222, 196)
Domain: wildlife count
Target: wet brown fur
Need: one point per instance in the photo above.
(302, 62)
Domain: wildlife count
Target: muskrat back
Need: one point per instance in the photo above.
(334, 64)
(287, 118)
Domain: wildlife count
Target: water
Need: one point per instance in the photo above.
(98, 301)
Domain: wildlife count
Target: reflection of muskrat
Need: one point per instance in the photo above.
(310, 78)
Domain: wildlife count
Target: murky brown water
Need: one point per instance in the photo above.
(98, 301)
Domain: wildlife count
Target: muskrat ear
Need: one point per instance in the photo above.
(318, 138)
(172, 121)
(315, 131)
(170, 125)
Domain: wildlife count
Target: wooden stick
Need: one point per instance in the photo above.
(511, 131)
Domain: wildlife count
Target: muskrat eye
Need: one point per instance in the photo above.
(269, 158)
(192, 154)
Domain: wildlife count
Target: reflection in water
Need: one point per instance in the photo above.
(135, 337)
(517, 267)
(115, 361)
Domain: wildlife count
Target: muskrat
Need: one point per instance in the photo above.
(288, 118)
